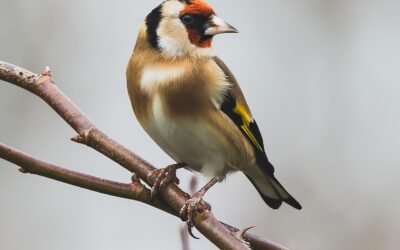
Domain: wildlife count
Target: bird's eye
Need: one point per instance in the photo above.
(187, 19)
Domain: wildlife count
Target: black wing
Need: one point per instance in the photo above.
(235, 107)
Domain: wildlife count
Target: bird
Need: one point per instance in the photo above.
(190, 103)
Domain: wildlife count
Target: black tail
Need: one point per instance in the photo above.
(272, 192)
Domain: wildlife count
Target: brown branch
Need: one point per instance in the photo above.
(30, 165)
(43, 86)
(133, 191)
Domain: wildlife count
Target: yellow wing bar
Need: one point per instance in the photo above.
(247, 120)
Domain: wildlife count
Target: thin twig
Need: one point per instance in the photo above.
(30, 165)
(184, 237)
(88, 134)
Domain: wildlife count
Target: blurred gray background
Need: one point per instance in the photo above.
(322, 78)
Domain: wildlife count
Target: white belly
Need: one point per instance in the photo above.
(192, 143)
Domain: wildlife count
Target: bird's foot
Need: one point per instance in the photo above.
(164, 176)
(136, 182)
(194, 205)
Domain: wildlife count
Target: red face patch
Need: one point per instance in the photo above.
(198, 7)
(198, 40)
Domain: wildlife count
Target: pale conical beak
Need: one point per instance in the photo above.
(218, 26)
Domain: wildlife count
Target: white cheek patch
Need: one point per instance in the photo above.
(176, 44)
(153, 76)
(173, 37)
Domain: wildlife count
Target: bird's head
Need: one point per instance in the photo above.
(184, 27)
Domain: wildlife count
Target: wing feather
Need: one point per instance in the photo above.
(236, 108)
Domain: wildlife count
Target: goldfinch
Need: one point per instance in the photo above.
(191, 105)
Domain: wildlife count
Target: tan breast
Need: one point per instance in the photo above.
(188, 87)
(188, 90)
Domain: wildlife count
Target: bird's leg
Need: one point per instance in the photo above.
(164, 176)
(196, 204)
